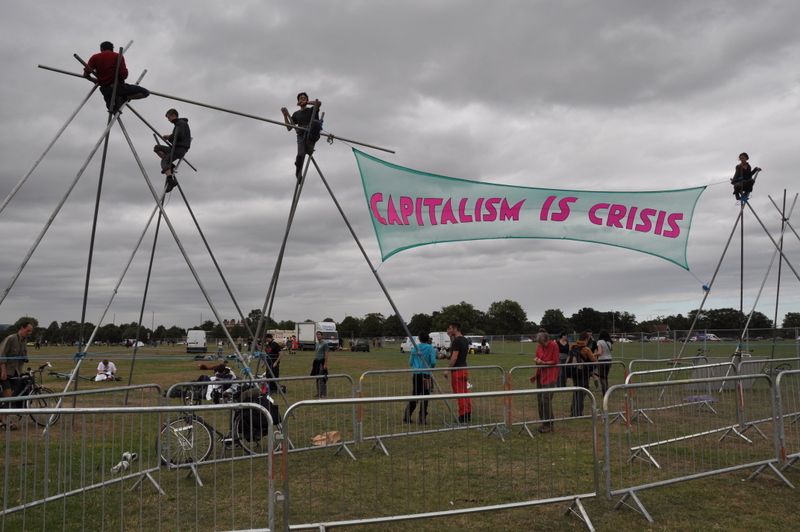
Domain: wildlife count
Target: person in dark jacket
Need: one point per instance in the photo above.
(743, 177)
(181, 140)
(306, 117)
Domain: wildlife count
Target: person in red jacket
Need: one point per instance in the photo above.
(546, 355)
(103, 65)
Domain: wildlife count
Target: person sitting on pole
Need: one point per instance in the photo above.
(306, 138)
(743, 179)
(103, 65)
(181, 140)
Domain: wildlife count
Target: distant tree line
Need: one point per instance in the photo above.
(505, 317)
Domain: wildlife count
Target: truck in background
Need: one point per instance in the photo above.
(306, 333)
(196, 342)
(438, 339)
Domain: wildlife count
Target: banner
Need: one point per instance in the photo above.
(410, 208)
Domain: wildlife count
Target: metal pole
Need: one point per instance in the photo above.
(55, 213)
(238, 113)
(47, 149)
(711, 283)
(374, 271)
(180, 245)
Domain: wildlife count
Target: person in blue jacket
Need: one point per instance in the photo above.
(422, 358)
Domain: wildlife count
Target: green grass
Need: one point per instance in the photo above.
(429, 472)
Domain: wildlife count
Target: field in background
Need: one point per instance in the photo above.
(720, 502)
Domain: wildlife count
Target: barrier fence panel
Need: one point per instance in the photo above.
(787, 393)
(143, 468)
(683, 437)
(645, 364)
(519, 378)
(286, 391)
(434, 471)
(393, 383)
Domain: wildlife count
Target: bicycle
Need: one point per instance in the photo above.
(190, 439)
(37, 394)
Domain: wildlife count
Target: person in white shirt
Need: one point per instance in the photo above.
(106, 371)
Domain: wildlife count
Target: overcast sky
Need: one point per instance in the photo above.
(604, 95)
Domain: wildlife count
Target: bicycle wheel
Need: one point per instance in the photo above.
(42, 400)
(185, 440)
(249, 435)
(192, 396)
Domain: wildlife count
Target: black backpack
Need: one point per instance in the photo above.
(574, 357)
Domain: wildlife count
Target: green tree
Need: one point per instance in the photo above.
(372, 325)
(760, 321)
(207, 326)
(239, 330)
(471, 319)
(350, 327)
(791, 319)
(419, 323)
(554, 321)
(505, 317)
(218, 331)
(589, 318)
(393, 326)
(176, 333)
(51, 332)
(287, 325)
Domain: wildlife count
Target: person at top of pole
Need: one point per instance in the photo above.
(103, 65)
(306, 138)
(743, 179)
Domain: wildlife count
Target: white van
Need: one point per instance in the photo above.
(196, 342)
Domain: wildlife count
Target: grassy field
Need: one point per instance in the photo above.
(719, 502)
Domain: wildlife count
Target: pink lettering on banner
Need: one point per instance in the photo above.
(448, 217)
(391, 213)
(563, 205)
(478, 205)
(406, 208)
(432, 203)
(510, 213)
(462, 214)
(373, 205)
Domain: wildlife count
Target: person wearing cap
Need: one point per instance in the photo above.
(273, 351)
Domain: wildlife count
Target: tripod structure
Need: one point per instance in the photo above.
(778, 253)
(159, 195)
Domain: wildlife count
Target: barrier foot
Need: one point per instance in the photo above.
(754, 427)
(706, 404)
(496, 430)
(641, 413)
(524, 428)
(790, 463)
(733, 429)
(648, 458)
(580, 513)
(618, 415)
(775, 470)
(792, 422)
(193, 471)
(639, 506)
(149, 477)
(346, 449)
(379, 443)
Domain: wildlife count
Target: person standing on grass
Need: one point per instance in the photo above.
(546, 355)
(320, 366)
(563, 351)
(13, 356)
(459, 348)
(273, 351)
(580, 375)
(422, 358)
(605, 345)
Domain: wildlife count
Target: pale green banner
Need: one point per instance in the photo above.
(411, 208)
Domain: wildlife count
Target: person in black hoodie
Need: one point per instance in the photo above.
(181, 140)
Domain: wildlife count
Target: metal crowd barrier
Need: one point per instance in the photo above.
(678, 444)
(665, 363)
(787, 394)
(134, 467)
(519, 378)
(436, 470)
(393, 383)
